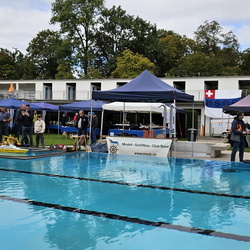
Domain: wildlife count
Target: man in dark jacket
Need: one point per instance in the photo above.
(82, 123)
(27, 126)
(94, 126)
(18, 121)
(4, 122)
(239, 130)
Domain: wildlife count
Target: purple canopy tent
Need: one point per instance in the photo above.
(47, 106)
(242, 105)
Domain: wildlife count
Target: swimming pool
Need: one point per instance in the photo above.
(100, 201)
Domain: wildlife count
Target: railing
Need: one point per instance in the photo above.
(79, 95)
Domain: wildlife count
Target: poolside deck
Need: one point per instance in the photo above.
(225, 155)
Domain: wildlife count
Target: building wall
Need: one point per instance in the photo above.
(68, 90)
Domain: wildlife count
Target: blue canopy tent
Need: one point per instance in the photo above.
(12, 103)
(86, 105)
(145, 88)
(47, 106)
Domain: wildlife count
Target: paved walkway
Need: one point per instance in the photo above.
(225, 155)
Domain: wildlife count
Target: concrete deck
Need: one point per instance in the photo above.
(225, 155)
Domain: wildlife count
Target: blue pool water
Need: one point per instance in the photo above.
(100, 201)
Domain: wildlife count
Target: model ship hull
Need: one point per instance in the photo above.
(12, 149)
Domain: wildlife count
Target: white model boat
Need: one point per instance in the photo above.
(10, 148)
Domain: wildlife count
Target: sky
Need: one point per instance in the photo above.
(22, 20)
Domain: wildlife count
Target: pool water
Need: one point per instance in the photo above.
(100, 201)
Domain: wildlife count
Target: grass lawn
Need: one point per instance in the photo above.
(54, 139)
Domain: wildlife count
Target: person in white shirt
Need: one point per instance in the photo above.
(39, 129)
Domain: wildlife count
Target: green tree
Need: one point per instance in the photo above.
(211, 41)
(245, 64)
(111, 37)
(197, 64)
(45, 52)
(130, 65)
(118, 31)
(77, 20)
(8, 69)
(174, 48)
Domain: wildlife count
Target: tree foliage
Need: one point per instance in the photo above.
(130, 65)
(77, 20)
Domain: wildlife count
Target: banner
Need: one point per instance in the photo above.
(139, 146)
(216, 99)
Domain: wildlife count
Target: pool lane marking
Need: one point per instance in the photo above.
(129, 184)
(159, 224)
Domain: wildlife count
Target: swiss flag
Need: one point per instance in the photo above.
(210, 94)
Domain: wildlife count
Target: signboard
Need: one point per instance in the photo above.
(139, 146)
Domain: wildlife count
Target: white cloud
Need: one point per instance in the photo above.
(21, 20)
(185, 16)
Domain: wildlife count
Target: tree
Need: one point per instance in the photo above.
(8, 68)
(197, 64)
(118, 31)
(131, 65)
(174, 49)
(245, 64)
(211, 41)
(46, 51)
(111, 37)
(77, 20)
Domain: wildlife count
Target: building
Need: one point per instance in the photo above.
(70, 90)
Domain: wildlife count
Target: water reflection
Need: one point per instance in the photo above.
(149, 203)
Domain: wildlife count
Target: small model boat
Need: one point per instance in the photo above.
(10, 148)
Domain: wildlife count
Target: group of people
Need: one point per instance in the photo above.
(82, 123)
(26, 122)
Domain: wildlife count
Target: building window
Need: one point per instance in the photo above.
(95, 86)
(244, 85)
(181, 85)
(119, 84)
(47, 91)
(212, 85)
(71, 91)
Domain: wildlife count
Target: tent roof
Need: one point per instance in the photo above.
(138, 107)
(135, 107)
(145, 87)
(12, 103)
(47, 106)
(84, 105)
(242, 105)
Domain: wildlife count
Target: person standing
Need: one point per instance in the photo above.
(238, 131)
(4, 123)
(39, 129)
(27, 126)
(94, 126)
(18, 121)
(82, 123)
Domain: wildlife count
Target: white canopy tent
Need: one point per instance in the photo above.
(140, 107)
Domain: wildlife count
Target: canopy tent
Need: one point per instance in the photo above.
(47, 106)
(242, 105)
(136, 107)
(139, 107)
(87, 105)
(12, 103)
(144, 88)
